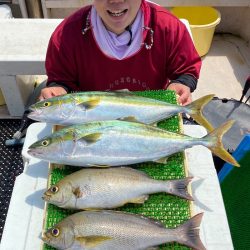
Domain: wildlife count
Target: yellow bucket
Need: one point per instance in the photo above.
(2, 101)
(203, 21)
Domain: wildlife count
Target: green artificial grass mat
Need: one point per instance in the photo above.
(236, 195)
(170, 210)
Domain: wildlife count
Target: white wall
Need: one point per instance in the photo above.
(235, 20)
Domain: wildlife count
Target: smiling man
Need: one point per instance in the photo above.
(121, 44)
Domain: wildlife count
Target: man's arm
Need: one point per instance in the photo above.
(184, 64)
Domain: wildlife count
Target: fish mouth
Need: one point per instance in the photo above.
(34, 152)
(44, 237)
(46, 197)
(34, 113)
(32, 108)
(117, 13)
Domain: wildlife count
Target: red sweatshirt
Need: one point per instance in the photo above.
(75, 60)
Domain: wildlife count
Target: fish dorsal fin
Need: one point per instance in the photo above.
(154, 124)
(90, 138)
(89, 104)
(92, 241)
(129, 119)
(122, 90)
(162, 160)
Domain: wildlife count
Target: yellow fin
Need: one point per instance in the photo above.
(216, 146)
(91, 138)
(98, 166)
(139, 200)
(162, 160)
(92, 241)
(129, 119)
(154, 124)
(90, 104)
(92, 209)
(195, 111)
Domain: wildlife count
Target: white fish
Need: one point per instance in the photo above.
(109, 230)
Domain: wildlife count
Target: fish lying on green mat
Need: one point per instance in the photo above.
(82, 107)
(109, 188)
(110, 230)
(119, 143)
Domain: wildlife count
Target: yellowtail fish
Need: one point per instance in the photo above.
(79, 108)
(109, 188)
(110, 230)
(119, 143)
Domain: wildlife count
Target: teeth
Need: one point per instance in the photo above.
(116, 13)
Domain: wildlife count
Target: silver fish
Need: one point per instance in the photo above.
(109, 230)
(109, 188)
(82, 107)
(118, 143)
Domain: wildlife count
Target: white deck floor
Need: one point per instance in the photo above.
(225, 68)
(224, 71)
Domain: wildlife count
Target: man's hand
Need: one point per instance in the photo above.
(182, 91)
(50, 92)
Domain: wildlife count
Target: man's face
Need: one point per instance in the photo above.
(117, 14)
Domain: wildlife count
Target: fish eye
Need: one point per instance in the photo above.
(55, 232)
(45, 143)
(54, 189)
(46, 104)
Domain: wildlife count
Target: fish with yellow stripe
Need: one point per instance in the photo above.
(119, 143)
(82, 107)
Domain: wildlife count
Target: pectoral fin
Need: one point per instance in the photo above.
(89, 104)
(162, 160)
(91, 138)
(77, 192)
(129, 119)
(154, 124)
(92, 241)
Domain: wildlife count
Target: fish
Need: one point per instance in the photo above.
(83, 107)
(93, 188)
(119, 143)
(112, 230)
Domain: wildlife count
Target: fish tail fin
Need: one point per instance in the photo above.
(216, 146)
(179, 188)
(188, 233)
(195, 111)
